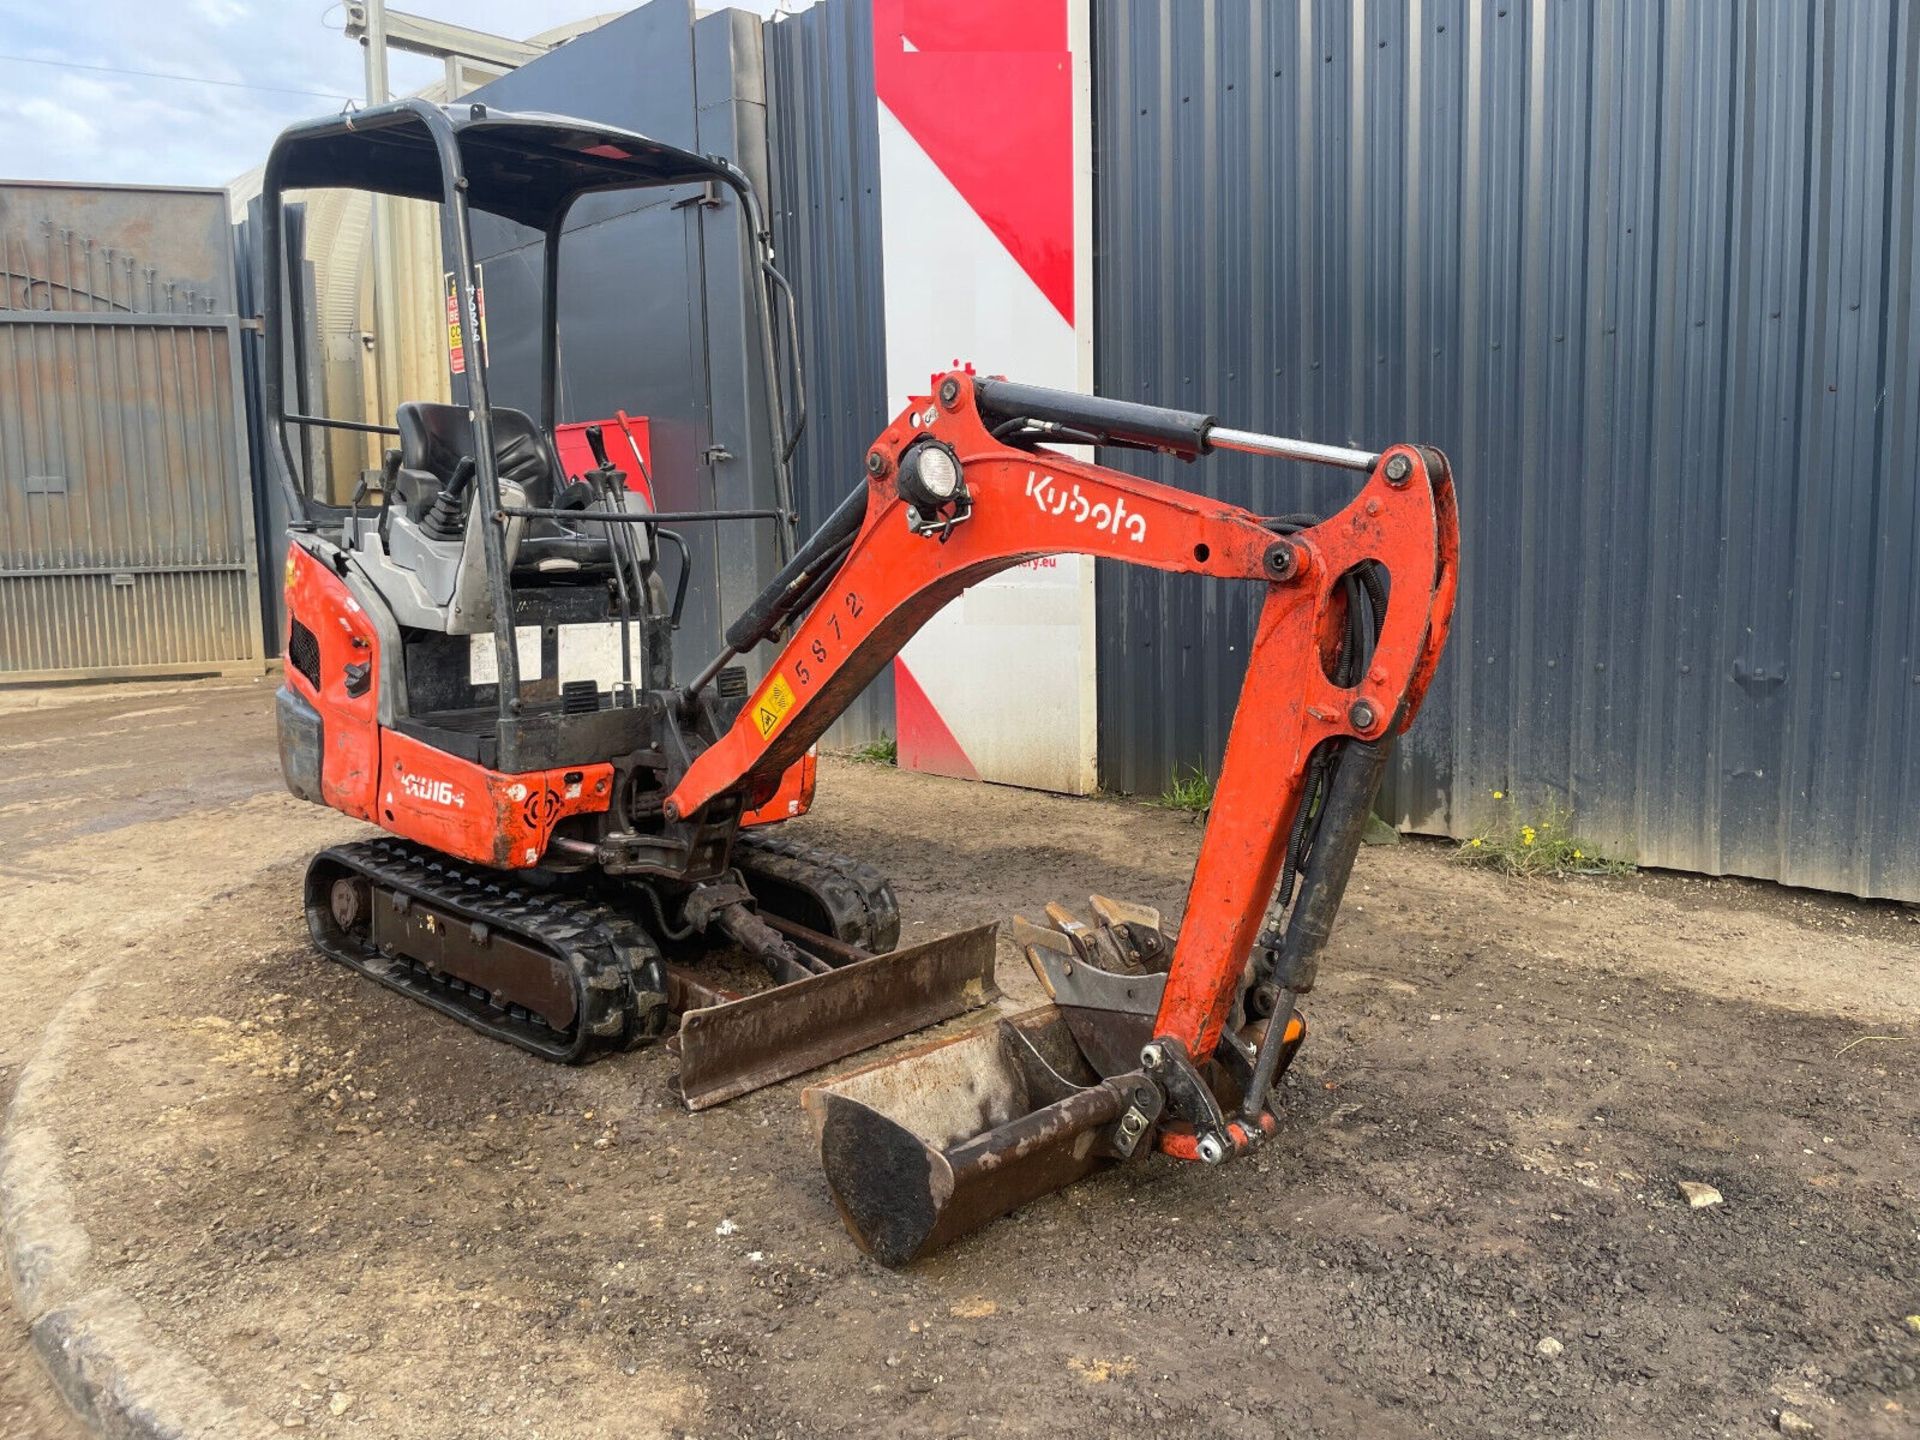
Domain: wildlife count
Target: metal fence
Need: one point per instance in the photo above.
(126, 529)
(1647, 273)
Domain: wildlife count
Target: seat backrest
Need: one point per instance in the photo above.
(435, 437)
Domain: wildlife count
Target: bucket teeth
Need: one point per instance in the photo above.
(1044, 948)
(1074, 928)
(1114, 913)
(1135, 930)
(1108, 996)
(1124, 938)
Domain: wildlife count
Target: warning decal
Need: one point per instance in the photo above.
(772, 703)
(480, 300)
(456, 351)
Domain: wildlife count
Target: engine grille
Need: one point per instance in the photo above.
(303, 652)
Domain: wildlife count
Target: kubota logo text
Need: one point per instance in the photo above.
(1053, 498)
(434, 792)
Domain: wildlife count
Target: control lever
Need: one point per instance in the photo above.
(614, 476)
(353, 512)
(389, 476)
(446, 518)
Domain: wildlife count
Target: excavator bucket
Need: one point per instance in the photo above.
(924, 1147)
(733, 1046)
(927, 1146)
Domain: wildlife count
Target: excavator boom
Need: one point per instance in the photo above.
(1353, 619)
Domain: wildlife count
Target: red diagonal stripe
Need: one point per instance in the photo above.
(924, 741)
(986, 89)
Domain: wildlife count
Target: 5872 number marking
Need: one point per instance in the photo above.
(819, 649)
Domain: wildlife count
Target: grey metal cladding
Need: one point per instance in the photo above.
(630, 260)
(823, 132)
(1646, 273)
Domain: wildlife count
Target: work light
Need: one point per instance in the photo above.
(930, 477)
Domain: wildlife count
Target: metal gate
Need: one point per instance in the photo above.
(126, 515)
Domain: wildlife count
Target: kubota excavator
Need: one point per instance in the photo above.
(559, 849)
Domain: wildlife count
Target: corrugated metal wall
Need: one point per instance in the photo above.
(1646, 271)
(126, 523)
(823, 131)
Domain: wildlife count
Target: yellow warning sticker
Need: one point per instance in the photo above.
(456, 351)
(771, 704)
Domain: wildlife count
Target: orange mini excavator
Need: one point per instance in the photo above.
(569, 859)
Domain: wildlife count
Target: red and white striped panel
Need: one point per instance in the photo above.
(985, 220)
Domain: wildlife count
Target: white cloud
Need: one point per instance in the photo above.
(75, 124)
(48, 117)
(220, 12)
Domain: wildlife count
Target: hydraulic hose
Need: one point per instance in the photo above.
(1351, 790)
(824, 548)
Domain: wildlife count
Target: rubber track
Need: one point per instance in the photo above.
(857, 898)
(601, 946)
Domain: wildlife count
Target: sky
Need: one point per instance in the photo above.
(59, 121)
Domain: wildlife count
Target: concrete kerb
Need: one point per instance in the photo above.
(116, 1368)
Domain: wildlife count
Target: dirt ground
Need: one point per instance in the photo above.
(79, 768)
(368, 1222)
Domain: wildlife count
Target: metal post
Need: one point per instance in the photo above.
(386, 267)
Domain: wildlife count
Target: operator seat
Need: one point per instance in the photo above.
(433, 440)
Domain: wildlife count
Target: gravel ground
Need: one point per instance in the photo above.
(368, 1222)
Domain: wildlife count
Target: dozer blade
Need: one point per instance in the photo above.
(925, 1147)
(727, 1050)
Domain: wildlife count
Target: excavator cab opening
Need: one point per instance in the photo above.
(561, 854)
(477, 531)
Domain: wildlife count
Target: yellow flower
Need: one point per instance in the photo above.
(1526, 834)
(1578, 856)
(1499, 794)
(1475, 842)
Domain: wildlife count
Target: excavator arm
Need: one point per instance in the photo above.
(947, 504)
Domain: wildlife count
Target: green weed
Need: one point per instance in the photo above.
(884, 751)
(1192, 792)
(1543, 845)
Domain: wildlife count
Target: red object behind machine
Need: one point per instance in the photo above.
(624, 435)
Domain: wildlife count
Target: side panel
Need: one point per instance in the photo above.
(476, 814)
(302, 743)
(342, 635)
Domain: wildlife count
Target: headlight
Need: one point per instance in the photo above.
(929, 476)
(939, 471)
